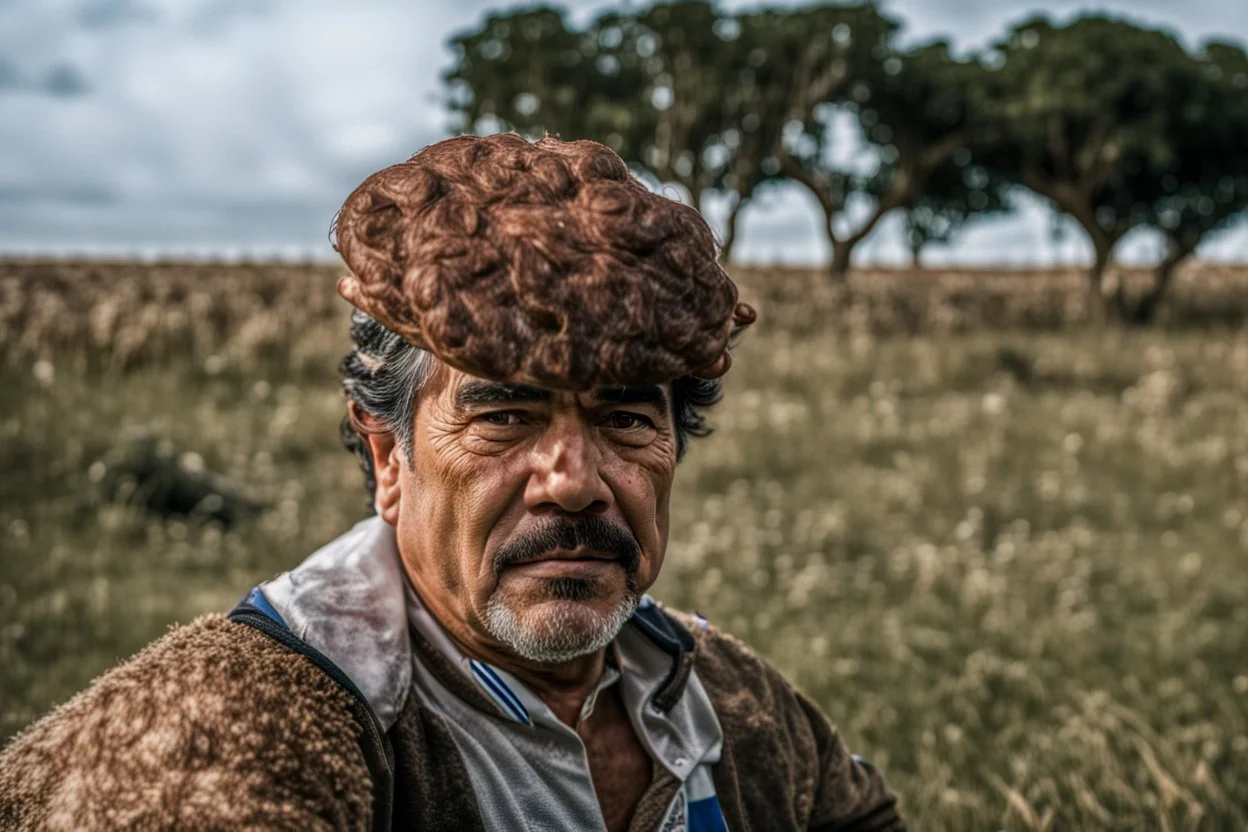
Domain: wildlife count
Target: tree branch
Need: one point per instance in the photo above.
(1059, 147)
(904, 189)
(1095, 160)
(792, 168)
(935, 154)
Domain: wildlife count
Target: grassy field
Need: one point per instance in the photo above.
(1007, 559)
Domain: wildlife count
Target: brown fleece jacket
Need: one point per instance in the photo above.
(217, 726)
(783, 766)
(213, 726)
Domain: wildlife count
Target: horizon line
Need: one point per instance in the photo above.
(300, 256)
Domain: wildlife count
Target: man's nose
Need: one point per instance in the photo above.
(567, 471)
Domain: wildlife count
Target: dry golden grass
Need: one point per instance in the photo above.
(117, 315)
(1022, 593)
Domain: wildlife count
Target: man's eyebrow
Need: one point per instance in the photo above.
(475, 393)
(643, 394)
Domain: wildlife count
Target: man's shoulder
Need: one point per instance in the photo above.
(208, 667)
(173, 736)
(731, 670)
(719, 651)
(779, 748)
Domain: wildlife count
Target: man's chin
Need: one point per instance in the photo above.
(557, 628)
(568, 614)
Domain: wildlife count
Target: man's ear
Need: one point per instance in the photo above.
(387, 459)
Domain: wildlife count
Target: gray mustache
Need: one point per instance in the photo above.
(590, 533)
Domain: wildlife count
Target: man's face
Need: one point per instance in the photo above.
(533, 519)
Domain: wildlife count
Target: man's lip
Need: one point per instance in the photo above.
(568, 554)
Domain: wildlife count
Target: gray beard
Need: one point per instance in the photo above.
(558, 637)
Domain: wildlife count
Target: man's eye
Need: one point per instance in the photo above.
(501, 418)
(623, 420)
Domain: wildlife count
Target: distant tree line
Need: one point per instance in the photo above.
(1118, 126)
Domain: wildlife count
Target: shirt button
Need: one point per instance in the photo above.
(680, 762)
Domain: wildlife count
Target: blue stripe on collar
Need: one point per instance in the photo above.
(499, 691)
(256, 599)
(705, 816)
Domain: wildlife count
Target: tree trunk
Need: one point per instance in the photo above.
(1100, 265)
(1076, 202)
(842, 251)
(916, 258)
(1145, 311)
(838, 268)
(730, 230)
(1107, 294)
(899, 195)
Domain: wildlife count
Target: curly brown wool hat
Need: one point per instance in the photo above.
(543, 262)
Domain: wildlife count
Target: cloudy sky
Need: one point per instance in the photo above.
(237, 127)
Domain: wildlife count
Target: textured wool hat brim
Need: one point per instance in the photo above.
(543, 262)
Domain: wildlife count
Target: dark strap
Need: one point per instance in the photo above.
(255, 611)
(674, 640)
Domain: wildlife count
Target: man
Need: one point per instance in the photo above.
(536, 336)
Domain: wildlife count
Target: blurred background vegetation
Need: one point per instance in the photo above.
(1000, 543)
(993, 521)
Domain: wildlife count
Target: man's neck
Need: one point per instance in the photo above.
(562, 686)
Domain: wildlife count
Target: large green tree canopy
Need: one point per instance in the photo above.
(1084, 110)
(1117, 125)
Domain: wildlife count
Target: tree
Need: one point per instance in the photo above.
(807, 60)
(1085, 111)
(917, 109)
(669, 88)
(954, 196)
(697, 89)
(771, 69)
(1116, 125)
(684, 64)
(527, 71)
(1204, 188)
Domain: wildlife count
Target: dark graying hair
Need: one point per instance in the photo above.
(383, 373)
